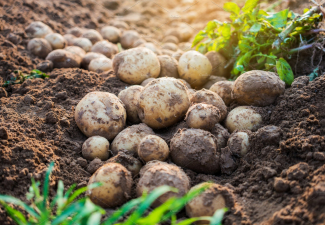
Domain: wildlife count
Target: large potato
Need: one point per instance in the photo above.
(63, 59)
(56, 40)
(135, 65)
(111, 33)
(93, 36)
(38, 29)
(163, 102)
(223, 89)
(95, 147)
(153, 147)
(168, 66)
(39, 47)
(100, 65)
(258, 88)
(218, 63)
(100, 113)
(105, 48)
(128, 38)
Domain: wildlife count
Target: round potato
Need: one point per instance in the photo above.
(120, 24)
(173, 32)
(221, 134)
(169, 53)
(56, 40)
(111, 33)
(100, 65)
(138, 42)
(63, 59)
(93, 36)
(100, 113)
(218, 63)
(238, 143)
(39, 47)
(170, 46)
(185, 46)
(83, 43)
(69, 39)
(152, 47)
(128, 38)
(89, 57)
(95, 147)
(170, 39)
(76, 31)
(177, 55)
(223, 89)
(38, 29)
(212, 80)
(147, 81)
(76, 50)
(130, 163)
(185, 31)
(153, 147)
(105, 48)
(168, 66)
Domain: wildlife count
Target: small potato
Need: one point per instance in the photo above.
(63, 59)
(238, 143)
(212, 80)
(130, 98)
(218, 63)
(69, 39)
(138, 43)
(153, 147)
(195, 68)
(169, 53)
(202, 116)
(173, 32)
(177, 55)
(120, 24)
(243, 118)
(221, 134)
(185, 31)
(105, 48)
(100, 65)
(95, 147)
(130, 163)
(170, 39)
(135, 65)
(93, 36)
(116, 189)
(76, 31)
(38, 29)
(168, 66)
(100, 113)
(39, 47)
(185, 46)
(111, 33)
(152, 47)
(83, 43)
(163, 102)
(129, 139)
(56, 40)
(223, 89)
(76, 50)
(170, 46)
(89, 57)
(257, 88)
(147, 81)
(128, 38)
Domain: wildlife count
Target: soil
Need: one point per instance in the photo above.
(280, 181)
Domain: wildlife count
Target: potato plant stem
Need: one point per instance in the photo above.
(304, 47)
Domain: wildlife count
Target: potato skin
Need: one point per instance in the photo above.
(89, 57)
(76, 50)
(238, 143)
(130, 163)
(153, 147)
(163, 102)
(83, 43)
(56, 40)
(38, 29)
(111, 33)
(170, 39)
(212, 80)
(100, 65)
(168, 66)
(76, 31)
(63, 59)
(100, 113)
(105, 48)
(152, 47)
(39, 47)
(93, 35)
(128, 38)
(95, 147)
(170, 46)
(221, 134)
(147, 81)
(257, 88)
(218, 63)
(116, 188)
(223, 89)
(69, 38)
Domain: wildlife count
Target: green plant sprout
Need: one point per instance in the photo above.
(20, 77)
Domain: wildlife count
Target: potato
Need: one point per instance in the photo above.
(209, 97)
(100, 113)
(56, 40)
(95, 147)
(69, 39)
(202, 116)
(212, 80)
(243, 118)
(257, 88)
(185, 31)
(105, 48)
(39, 47)
(93, 36)
(169, 53)
(129, 139)
(170, 39)
(120, 24)
(38, 29)
(130, 97)
(100, 65)
(177, 55)
(63, 59)
(238, 143)
(223, 89)
(153, 147)
(83, 43)
(173, 32)
(170, 46)
(185, 46)
(195, 149)
(221, 134)
(195, 68)
(218, 63)
(76, 31)
(163, 102)
(111, 33)
(168, 66)
(152, 47)
(138, 42)
(135, 65)
(116, 189)
(159, 174)
(89, 57)
(128, 38)
(130, 163)
(190, 92)
(147, 81)
(185, 83)
(76, 50)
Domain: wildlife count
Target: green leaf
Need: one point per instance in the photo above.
(217, 216)
(82, 190)
(94, 219)
(210, 26)
(18, 202)
(233, 8)
(17, 216)
(278, 20)
(70, 210)
(256, 28)
(193, 220)
(199, 37)
(306, 10)
(284, 70)
(250, 5)
(47, 184)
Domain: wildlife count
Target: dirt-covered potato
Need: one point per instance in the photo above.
(76, 31)
(212, 80)
(83, 43)
(195, 68)
(129, 139)
(38, 29)
(221, 134)
(202, 116)
(69, 39)
(163, 102)
(63, 59)
(153, 147)
(100, 113)
(138, 42)
(130, 97)
(89, 57)
(129, 162)
(39, 47)
(56, 40)
(243, 118)
(106, 48)
(116, 189)
(196, 150)
(218, 63)
(128, 38)
(238, 143)
(168, 66)
(100, 65)
(111, 33)
(95, 147)
(135, 65)
(223, 89)
(76, 50)
(93, 36)
(147, 81)
(170, 46)
(170, 39)
(152, 47)
(257, 88)
(159, 174)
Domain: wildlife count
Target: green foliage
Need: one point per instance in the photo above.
(256, 39)
(19, 77)
(64, 209)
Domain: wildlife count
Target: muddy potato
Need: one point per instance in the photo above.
(130, 163)
(76, 31)
(95, 147)
(238, 143)
(170, 46)
(218, 63)
(93, 36)
(195, 68)
(83, 43)
(135, 65)
(89, 57)
(100, 65)
(147, 81)
(38, 29)
(100, 113)
(130, 97)
(116, 189)
(39, 47)
(223, 89)
(76, 50)
(56, 40)
(221, 134)
(212, 80)
(168, 66)
(152, 47)
(163, 102)
(195, 149)
(105, 48)
(128, 38)
(111, 33)
(170, 39)
(69, 39)
(243, 118)
(63, 59)
(257, 88)
(153, 147)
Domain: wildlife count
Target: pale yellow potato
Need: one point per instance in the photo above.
(170, 46)
(128, 38)
(195, 68)
(83, 43)
(63, 59)
(243, 118)
(100, 65)
(76, 50)
(111, 33)
(39, 47)
(95, 147)
(168, 66)
(135, 65)
(56, 40)
(173, 32)
(218, 63)
(93, 35)
(106, 48)
(163, 102)
(38, 29)
(153, 147)
(116, 189)
(76, 31)
(152, 47)
(100, 113)
(170, 39)
(147, 81)
(238, 143)
(69, 38)
(185, 83)
(89, 57)
(185, 32)
(223, 89)
(138, 42)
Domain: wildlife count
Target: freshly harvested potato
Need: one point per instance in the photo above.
(100, 113)
(170, 39)
(221, 134)
(218, 63)
(56, 40)
(129, 139)
(257, 88)
(195, 68)
(153, 147)
(190, 92)
(38, 29)
(177, 55)
(63, 59)
(76, 50)
(212, 80)
(163, 102)
(147, 81)
(135, 65)
(116, 189)
(105, 48)
(120, 24)
(128, 38)
(89, 57)
(185, 31)
(185, 83)
(39, 47)
(168, 52)
(76, 31)
(152, 47)
(173, 32)
(111, 33)
(243, 118)
(100, 65)
(95, 147)
(185, 46)
(138, 43)
(223, 89)
(130, 163)
(195, 149)
(238, 143)
(170, 46)
(69, 39)
(168, 66)
(130, 97)
(83, 43)
(93, 36)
